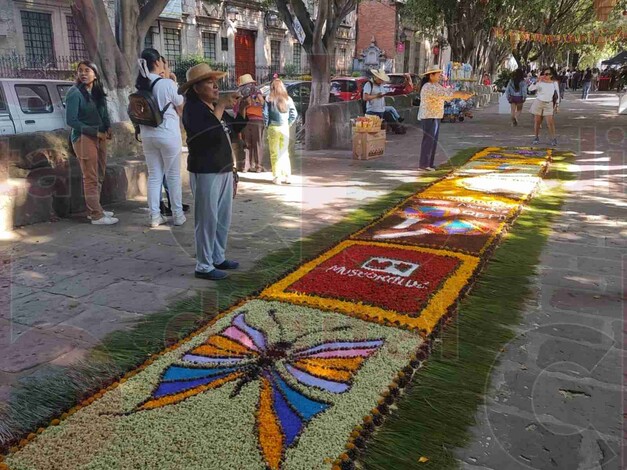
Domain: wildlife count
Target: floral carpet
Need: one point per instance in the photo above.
(300, 377)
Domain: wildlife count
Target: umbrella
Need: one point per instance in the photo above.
(619, 59)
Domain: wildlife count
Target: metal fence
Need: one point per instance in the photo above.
(54, 68)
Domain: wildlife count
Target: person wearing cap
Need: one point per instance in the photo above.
(432, 99)
(210, 166)
(253, 132)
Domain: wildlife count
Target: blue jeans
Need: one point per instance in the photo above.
(586, 90)
(431, 132)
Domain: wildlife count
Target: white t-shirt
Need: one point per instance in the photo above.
(376, 105)
(166, 92)
(546, 91)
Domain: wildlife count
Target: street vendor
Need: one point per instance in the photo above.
(432, 99)
(374, 93)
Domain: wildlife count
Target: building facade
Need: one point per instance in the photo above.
(241, 36)
(386, 40)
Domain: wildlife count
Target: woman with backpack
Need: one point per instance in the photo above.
(516, 93)
(162, 143)
(279, 113)
(87, 115)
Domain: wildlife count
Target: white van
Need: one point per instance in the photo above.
(30, 105)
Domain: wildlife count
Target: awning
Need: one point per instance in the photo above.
(618, 59)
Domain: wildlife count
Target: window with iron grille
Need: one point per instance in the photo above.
(275, 55)
(77, 45)
(149, 40)
(172, 43)
(37, 29)
(209, 45)
(297, 59)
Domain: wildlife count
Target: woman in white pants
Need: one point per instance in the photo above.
(162, 145)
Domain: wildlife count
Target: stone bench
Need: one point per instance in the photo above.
(41, 177)
(329, 125)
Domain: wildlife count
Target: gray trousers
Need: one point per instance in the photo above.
(213, 201)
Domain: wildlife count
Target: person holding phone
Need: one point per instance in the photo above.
(432, 99)
(374, 93)
(546, 103)
(211, 167)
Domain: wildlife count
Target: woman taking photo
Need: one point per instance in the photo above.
(162, 144)
(279, 113)
(432, 98)
(546, 103)
(210, 165)
(87, 115)
(516, 94)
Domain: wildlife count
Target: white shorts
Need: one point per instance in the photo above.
(542, 108)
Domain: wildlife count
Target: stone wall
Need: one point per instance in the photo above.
(329, 126)
(40, 178)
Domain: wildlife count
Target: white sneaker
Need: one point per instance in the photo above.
(277, 181)
(179, 219)
(105, 213)
(106, 220)
(158, 220)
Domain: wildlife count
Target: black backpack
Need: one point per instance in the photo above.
(143, 108)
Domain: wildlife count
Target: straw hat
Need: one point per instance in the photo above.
(245, 79)
(433, 69)
(380, 74)
(199, 73)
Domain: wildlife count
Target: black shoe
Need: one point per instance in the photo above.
(214, 275)
(165, 210)
(401, 119)
(185, 208)
(227, 264)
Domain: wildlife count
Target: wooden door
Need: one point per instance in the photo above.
(244, 52)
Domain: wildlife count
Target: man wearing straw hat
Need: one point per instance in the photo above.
(374, 93)
(253, 132)
(210, 166)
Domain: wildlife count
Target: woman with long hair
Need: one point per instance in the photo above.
(432, 99)
(516, 93)
(279, 113)
(88, 116)
(162, 145)
(546, 103)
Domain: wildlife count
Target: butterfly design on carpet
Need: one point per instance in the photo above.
(242, 354)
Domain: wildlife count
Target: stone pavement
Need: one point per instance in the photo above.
(66, 285)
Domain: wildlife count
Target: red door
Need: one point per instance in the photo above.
(244, 52)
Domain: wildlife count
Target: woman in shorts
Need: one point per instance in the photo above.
(546, 103)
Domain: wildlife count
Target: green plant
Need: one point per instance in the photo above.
(503, 79)
(291, 70)
(183, 64)
(356, 74)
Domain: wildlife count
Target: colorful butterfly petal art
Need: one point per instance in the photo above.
(242, 354)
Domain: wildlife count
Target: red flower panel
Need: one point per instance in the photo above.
(386, 277)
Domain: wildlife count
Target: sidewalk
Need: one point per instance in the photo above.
(66, 285)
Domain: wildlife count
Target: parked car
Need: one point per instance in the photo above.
(348, 88)
(30, 105)
(398, 84)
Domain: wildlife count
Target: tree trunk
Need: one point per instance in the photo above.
(320, 76)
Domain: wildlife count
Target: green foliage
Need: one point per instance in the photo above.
(356, 74)
(185, 63)
(291, 70)
(503, 79)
